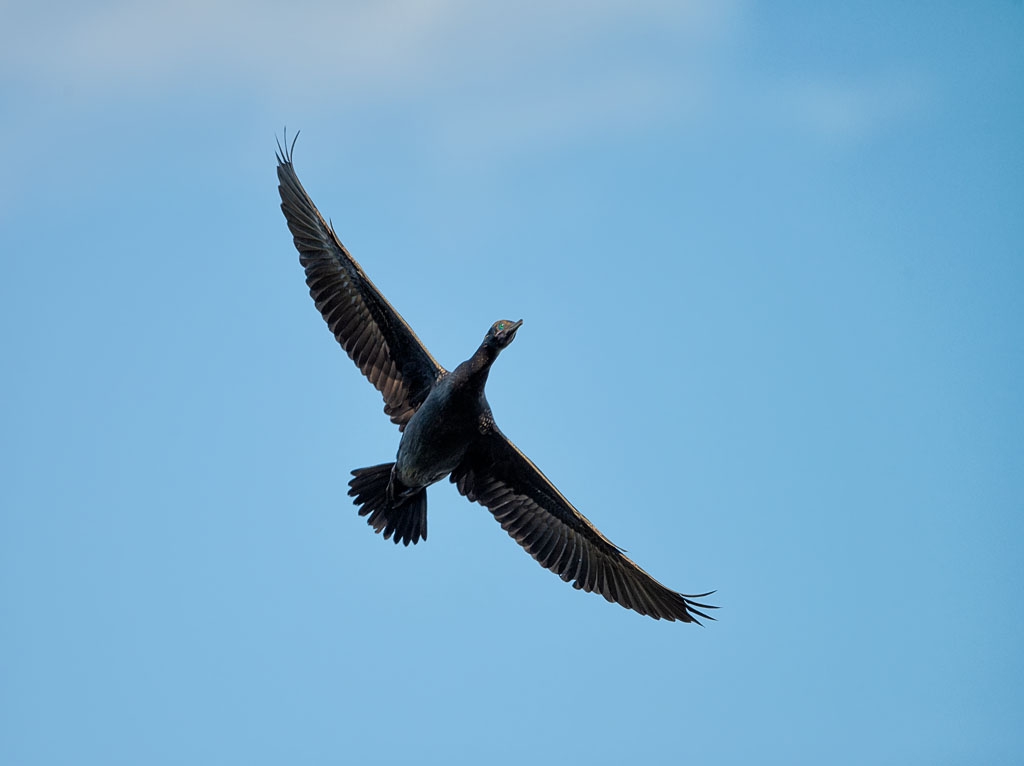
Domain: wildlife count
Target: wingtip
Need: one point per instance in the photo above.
(693, 608)
(284, 156)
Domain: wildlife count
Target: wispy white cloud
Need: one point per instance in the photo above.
(304, 45)
(548, 78)
(848, 111)
(478, 78)
(342, 47)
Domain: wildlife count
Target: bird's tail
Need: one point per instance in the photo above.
(395, 513)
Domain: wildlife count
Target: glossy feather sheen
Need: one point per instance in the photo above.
(493, 471)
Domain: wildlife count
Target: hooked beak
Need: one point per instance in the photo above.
(509, 333)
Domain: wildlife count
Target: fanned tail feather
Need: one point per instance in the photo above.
(399, 516)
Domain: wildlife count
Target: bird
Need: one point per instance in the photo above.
(448, 430)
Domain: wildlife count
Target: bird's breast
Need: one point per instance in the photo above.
(435, 440)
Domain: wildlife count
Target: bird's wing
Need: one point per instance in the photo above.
(372, 333)
(529, 507)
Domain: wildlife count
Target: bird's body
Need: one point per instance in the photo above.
(440, 432)
(435, 441)
(448, 429)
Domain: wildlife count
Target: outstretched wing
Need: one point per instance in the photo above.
(372, 333)
(529, 507)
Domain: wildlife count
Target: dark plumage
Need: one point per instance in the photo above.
(448, 430)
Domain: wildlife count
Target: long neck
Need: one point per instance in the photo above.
(476, 368)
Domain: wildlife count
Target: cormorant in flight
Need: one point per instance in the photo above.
(448, 430)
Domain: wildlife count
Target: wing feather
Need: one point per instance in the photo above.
(538, 517)
(371, 332)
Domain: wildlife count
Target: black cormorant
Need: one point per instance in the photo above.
(448, 430)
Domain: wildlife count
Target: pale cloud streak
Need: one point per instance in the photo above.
(478, 78)
(233, 43)
(387, 47)
(848, 111)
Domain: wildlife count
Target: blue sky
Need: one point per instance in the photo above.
(770, 259)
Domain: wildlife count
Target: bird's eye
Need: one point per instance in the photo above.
(501, 326)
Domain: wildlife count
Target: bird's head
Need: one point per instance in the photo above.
(502, 332)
